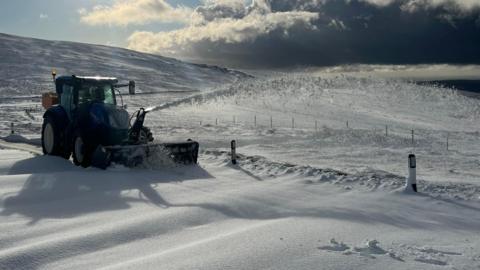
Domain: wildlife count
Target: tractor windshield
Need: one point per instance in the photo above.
(96, 92)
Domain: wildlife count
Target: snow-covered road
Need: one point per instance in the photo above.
(258, 215)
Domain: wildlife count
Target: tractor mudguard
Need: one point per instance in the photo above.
(59, 115)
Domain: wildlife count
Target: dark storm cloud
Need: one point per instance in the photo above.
(335, 32)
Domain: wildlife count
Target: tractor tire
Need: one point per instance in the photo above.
(52, 139)
(82, 153)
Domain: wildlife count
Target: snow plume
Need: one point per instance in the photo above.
(125, 12)
(285, 33)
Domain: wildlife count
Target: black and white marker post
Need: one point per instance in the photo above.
(412, 173)
(234, 152)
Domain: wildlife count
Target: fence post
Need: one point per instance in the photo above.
(412, 173)
(200, 122)
(347, 124)
(255, 120)
(12, 131)
(233, 145)
(447, 140)
(386, 130)
(271, 122)
(413, 137)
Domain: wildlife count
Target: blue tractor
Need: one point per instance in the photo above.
(86, 122)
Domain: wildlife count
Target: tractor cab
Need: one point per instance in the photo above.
(85, 107)
(90, 104)
(75, 92)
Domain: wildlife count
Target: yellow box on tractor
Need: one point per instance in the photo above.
(49, 99)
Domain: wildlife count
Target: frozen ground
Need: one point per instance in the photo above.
(259, 215)
(313, 195)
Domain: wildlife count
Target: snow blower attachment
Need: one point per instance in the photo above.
(139, 147)
(88, 123)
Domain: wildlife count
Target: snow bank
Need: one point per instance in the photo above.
(16, 138)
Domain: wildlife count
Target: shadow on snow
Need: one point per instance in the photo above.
(58, 189)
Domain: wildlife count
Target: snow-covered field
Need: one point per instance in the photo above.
(319, 184)
(259, 215)
(381, 115)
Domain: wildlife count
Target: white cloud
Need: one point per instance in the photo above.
(464, 5)
(338, 24)
(43, 16)
(216, 9)
(380, 3)
(414, 5)
(82, 11)
(221, 21)
(126, 12)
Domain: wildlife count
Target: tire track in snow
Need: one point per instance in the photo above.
(34, 149)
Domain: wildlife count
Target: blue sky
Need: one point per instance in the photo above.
(60, 20)
(263, 33)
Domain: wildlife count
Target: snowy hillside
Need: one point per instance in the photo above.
(381, 115)
(319, 184)
(26, 66)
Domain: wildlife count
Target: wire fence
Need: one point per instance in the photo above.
(408, 137)
(317, 128)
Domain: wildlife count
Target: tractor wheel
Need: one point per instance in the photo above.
(52, 139)
(81, 152)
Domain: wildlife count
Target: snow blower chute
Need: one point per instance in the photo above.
(83, 119)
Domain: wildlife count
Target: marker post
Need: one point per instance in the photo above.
(233, 145)
(412, 173)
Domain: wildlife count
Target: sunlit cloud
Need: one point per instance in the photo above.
(136, 12)
(228, 22)
(227, 30)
